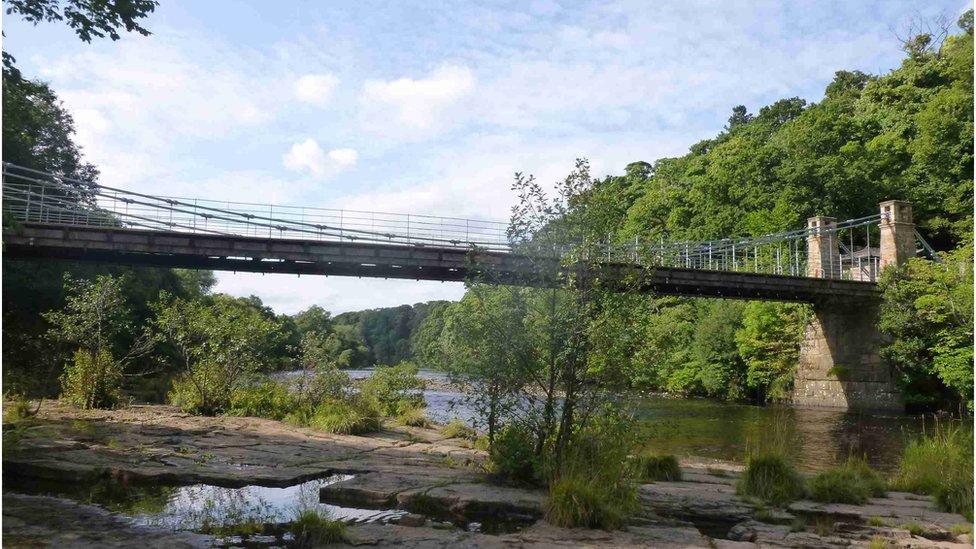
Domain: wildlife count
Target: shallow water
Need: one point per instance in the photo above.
(201, 507)
(817, 438)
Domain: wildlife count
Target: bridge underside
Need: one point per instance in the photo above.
(271, 255)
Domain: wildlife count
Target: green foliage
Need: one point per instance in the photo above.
(396, 388)
(205, 390)
(414, 417)
(88, 20)
(513, 458)
(217, 341)
(769, 343)
(594, 486)
(940, 464)
(853, 482)
(928, 311)
(651, 467)
(267, 399)
(388, 333)
(93, 380)
(17, 407)
(312, 529)
(772, 479)
(458, 429)
(355, 416)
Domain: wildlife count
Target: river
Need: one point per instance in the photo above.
(817, 438)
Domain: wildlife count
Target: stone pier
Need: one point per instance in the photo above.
(839, 364)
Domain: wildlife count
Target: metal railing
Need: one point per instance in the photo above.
(38, 197)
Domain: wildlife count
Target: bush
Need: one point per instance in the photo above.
(652, 467)
(459, 429)
(578, 500)
(941, 465)
(593, 483)
(771, 478)
(512, 456)
(311, 529)
(414, 417)
(345, 417)
(204, 391)
(853, 482)
(395, 388)
(266, 399)
(92, 381)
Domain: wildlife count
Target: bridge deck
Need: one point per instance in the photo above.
(295, 256)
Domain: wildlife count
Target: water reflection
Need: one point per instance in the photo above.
(819, 438)
(206, 507)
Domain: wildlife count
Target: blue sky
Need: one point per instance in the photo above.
(408, 107)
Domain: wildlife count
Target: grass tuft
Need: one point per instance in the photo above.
(414, 417)
(853, 482)
(344, 418)
(653, 467)
(18, 408)
(578, 500)
(458, 429)
(771, 478)
(878, 542)
(311, 529)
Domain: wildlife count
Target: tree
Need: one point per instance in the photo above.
(927, 309)
(218, 342)
(88, 19)
(314, 319)
(94, 317)
(769, 343)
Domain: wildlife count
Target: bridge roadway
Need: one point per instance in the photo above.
(342, 258)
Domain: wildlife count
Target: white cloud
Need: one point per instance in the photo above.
(309, 156)
(316, 89)
(417, 103)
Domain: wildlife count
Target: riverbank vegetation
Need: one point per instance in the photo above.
(940, 464)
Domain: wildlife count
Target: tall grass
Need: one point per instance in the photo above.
(940, 463)
(651, 467)
(852, 482)
(594, 483)
(770, 474)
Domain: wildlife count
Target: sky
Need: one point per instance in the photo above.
(430, 108)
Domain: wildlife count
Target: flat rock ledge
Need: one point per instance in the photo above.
(418, 470)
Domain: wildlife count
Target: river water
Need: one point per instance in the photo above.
(817, 438)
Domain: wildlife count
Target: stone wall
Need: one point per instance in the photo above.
(839, 365)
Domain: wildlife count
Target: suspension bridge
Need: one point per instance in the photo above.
(57, 217)
(832, 265)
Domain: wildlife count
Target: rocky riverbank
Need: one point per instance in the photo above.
(444, 497)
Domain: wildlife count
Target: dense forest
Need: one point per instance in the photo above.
(905, 135)
(389, 332)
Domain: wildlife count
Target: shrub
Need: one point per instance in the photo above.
(771, 478)
(311, 529)
(266, 399)
(941, 465)
(203, 391)
(593, 483)
(652, 467)
(512, 456)
(459, 429)
(395, 388)
(92, 380)
(345, 417)
(414, 417)
(853, 482)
